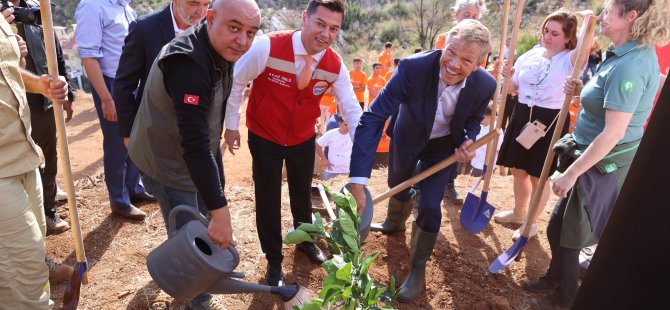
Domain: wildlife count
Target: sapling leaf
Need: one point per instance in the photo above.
(344, 273)
(367, 262)
(319, 222)
(308, 227)
(347, 223)
(329, 266)
(340, 200)
(351, 242)
(298, 236)
(347, 292)
(331, 279)
(329, 290)
(311, 305)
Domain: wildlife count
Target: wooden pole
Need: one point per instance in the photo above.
(63, 152)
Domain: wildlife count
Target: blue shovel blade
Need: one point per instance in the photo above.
(476, 213)
(506, 258)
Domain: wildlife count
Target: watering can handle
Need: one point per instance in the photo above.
(172, 218)
(196, 215)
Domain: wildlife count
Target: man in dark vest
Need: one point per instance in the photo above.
(291, 70)
(175, 139)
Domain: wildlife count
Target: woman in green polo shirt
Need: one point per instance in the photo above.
(615, 105)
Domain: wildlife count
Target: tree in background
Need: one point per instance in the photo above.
(430, 17)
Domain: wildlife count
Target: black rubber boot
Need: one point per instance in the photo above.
(398, 212)
(421, 249)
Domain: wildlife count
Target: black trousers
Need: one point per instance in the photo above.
(44, 134)
(267, 160)
(564, 266)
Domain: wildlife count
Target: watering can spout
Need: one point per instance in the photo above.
(232, 286)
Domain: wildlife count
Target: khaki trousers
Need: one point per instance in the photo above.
(24, 277)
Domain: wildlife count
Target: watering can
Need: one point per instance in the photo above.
(188, 264)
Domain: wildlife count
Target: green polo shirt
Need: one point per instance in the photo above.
(626, 81)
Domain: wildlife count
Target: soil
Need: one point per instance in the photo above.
(116, 249)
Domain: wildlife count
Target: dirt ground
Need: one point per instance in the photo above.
(116, 249)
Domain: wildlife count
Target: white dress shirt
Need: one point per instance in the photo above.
(447, 98)
(177, 31)
(253, 63)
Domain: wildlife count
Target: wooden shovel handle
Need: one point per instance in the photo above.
(435, 168)
(492, 147)
(326, 202)
(63, 152)
(582, 53)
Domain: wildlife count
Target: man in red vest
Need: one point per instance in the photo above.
(290, 71)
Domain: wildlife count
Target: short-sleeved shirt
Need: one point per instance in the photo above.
(339, 150)
(540, 79)
(626, 81)
(358, 78)
(375, 83)
(386, 61)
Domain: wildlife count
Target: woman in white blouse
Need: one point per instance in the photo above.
(538, 77)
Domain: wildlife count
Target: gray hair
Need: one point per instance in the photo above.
(463, 4)
(470, 31)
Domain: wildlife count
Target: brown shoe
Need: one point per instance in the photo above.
(56, 225)
(57, 272)
(130, 212)
(541, 285)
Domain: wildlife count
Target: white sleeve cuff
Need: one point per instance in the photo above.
(360, 180)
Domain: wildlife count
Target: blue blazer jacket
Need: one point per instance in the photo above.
(410, 98)
(146, 36)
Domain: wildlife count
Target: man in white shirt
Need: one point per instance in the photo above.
(290, 72)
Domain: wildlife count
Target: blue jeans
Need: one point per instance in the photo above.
(168, 198)
(121, 176)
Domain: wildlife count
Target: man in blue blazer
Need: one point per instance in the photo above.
(146, 36)
(436, 101)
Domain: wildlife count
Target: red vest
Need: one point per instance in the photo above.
(277, 110)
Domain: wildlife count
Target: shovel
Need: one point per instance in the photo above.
(506, 258)
(71, 295)
(476, 212)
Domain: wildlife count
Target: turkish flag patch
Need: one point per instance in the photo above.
(191, 99)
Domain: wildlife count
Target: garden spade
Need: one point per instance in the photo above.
(585, 41)
(476, 212)
(72, 291)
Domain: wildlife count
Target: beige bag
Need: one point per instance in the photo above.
(533, 131)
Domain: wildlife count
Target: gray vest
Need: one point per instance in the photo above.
(155, 142)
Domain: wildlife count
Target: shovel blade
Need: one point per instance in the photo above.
(73, 288)
(508, 256)
(476, 213)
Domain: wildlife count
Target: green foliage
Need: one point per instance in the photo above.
(390, 32)
(526, 41)
(348, 284)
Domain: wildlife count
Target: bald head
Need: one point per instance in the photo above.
(232, 26)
